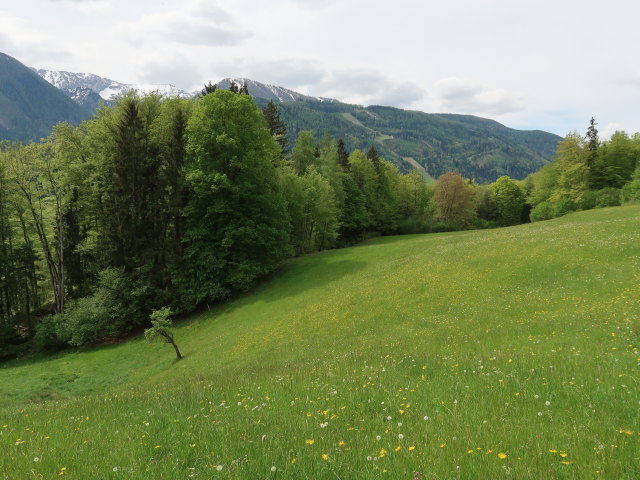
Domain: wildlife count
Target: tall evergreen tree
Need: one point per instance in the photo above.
(343, 155)
(208, 88)
(277, 126)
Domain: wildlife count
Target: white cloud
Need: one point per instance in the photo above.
(196, 25)
(85, 6)
(469, 96)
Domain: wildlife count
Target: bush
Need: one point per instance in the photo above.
(116, 306)
(542, 211)
(562, 207)
(606, 197)
(631, 191)
(51, 334)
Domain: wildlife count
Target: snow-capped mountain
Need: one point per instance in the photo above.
(75, 85)
(270, 92)
(90, 90)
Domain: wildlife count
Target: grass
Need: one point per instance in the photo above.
(508, 353)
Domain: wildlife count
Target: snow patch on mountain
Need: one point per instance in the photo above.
(108, 89)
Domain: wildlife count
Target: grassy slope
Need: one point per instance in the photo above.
(454, 342)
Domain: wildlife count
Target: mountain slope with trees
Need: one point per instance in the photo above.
(29, 106)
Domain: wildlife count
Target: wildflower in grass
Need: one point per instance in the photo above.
(398, 448)
(114, 469)
(626, 432)
(442, 445)
(502, 456)
(566, 463)
(563, 455)
(553, 451)
(400, 436)
(36, 459)
(383, 453)
(342, 443)
(325, 456)
(157, 446)
(547, 403)
(293, 460)
(310, 441)
(273, 468)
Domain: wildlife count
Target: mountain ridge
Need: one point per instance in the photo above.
(477, 148)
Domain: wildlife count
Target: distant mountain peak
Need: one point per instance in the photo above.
(107, 89)
(267, 91)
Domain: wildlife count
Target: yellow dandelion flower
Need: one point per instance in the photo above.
(563, 455)
(412, 448)
(325, 456)
(310, 442)
(294, 460)
(553, 451)
(397, 449)
(566, 463)
(442, 445)
(193, 445)
(157, 446)
(502, 456)
(382, 453)
(342, 443)
(469, 451)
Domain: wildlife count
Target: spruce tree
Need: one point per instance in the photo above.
(277, 127)
(208, 88)
(343, 155)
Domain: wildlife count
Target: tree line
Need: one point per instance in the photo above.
(181, 203)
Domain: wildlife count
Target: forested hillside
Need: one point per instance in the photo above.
(29, 106)
(477, 148)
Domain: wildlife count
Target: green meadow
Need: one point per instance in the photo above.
(511, 353)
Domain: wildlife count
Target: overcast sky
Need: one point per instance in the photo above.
(541, 64)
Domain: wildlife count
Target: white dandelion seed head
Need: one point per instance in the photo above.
(547, 403)
(219, 468)
(115, 469)
(369, 458)
(378, 437)
(539, 414)
(273, 469)
(426, 417)
(400, 436)
(36, 459)
(399, 424)
(389, 418)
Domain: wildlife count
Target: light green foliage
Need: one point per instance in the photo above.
(573, 178)
(162, 328)
(312, 209)
(615, 162)
(303, 153)
(454, 199)
(160, 323)
(509, 200)
(517, 342)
